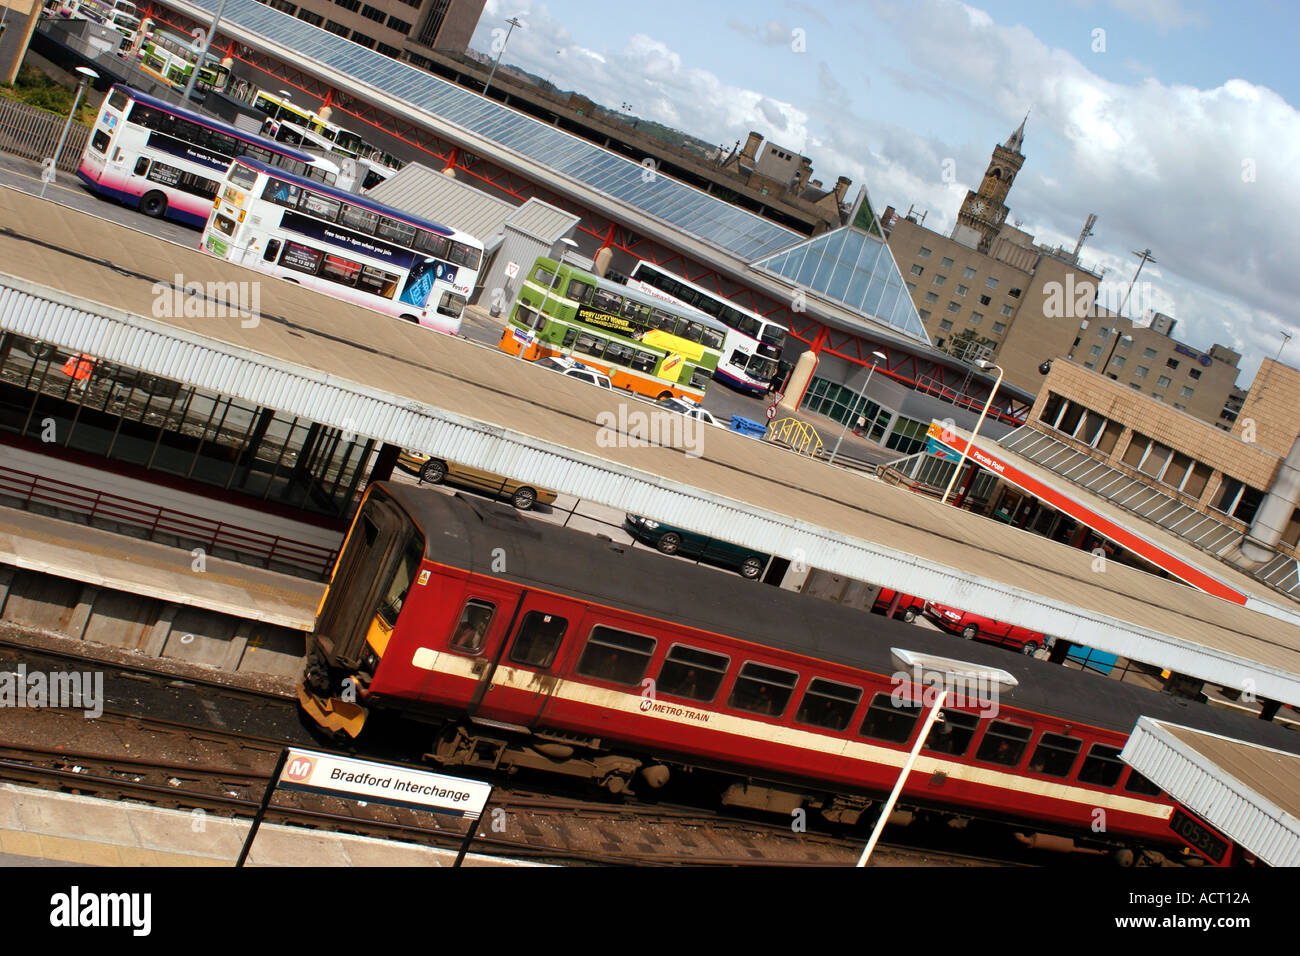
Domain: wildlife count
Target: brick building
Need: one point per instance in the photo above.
(402, 29)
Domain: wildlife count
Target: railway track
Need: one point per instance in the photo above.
(186, 742)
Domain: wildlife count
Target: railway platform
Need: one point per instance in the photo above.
(86, 583)
(41, 827)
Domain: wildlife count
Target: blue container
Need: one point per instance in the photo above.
(747, 426)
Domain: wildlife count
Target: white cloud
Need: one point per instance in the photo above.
(1166, 166)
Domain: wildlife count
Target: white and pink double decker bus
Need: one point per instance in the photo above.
(344, 245)
(169, 161)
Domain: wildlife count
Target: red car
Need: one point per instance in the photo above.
(908, 606)
(975, 626)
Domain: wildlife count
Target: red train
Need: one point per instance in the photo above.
(529, 645)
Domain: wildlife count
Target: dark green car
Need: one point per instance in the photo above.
(673, 540)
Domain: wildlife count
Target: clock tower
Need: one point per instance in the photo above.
(985, 210)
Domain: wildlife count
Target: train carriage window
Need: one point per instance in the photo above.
(828, 704)
(952, 733)
(1055, 755)
(616, 655)
(537, 639)
(472, 627)
(1102, 766)
(762, 689)
(888, 720)
(688, 672)
(1004, 743)
(1139, 784)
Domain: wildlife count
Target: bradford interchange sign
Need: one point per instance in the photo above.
(334, 776)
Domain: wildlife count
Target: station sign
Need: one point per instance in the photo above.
(365, 780)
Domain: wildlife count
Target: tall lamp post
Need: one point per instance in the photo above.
(987, 405)
(1144, 257)
(203, 54)
(1119, 337)
(876, 359)
(554, 275)
(87, 75)
(514, 22)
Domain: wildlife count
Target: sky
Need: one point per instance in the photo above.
(1175, 121)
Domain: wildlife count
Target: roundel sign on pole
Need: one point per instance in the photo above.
(771, 412)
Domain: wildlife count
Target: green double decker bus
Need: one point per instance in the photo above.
(643, 343)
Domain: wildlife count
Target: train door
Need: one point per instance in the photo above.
(520, 685)
(379, 561)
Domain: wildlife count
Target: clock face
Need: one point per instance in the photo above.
(977, 207)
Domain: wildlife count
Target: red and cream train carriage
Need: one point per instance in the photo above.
(530, 645)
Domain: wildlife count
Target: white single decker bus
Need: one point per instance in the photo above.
(752, 351)
(344, 245)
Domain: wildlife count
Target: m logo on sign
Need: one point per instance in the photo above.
(299, 769)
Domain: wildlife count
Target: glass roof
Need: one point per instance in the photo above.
(737, 231)
(857, 270)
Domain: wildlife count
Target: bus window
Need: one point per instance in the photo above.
(589, 344)
(377, 282)
(538, 639)
(607, 301)
(581, 291)
(340, 270)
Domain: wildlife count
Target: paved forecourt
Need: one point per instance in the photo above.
(87, 284)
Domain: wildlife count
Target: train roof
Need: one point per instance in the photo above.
(466, 534)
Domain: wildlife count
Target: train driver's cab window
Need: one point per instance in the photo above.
(403, 575)
(762, 689)
(828, 704)
(890, 720)
(1004, 743)
(537, 639)
(1102, 766)
(693, 674)
(952, 732)
(1055, 755)
(472, 627)
(616, 656)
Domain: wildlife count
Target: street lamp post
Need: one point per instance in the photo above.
(1119, 337)
(987, 405)
(87, 75)
(1144, 257)
(876, 359)
(203, 54)
(546, 300)
(514, 22)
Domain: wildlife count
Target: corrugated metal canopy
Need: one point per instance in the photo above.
(320, 358)
(426, 192)
(542, 221)
(1250, 793)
